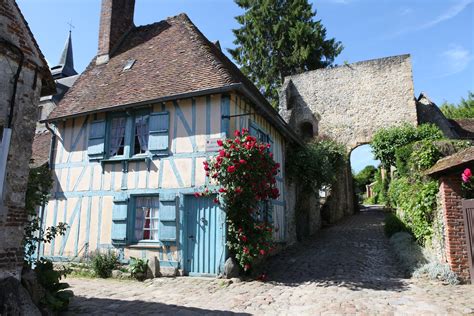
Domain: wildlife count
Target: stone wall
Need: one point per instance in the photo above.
(349, 104)
(454, 230)
(13, 31)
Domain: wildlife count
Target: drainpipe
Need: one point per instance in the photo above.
(50, 166)
(15, 49)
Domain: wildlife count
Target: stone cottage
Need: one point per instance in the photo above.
(131, 136)
(24, 78)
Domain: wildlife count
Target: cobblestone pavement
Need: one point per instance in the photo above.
(345, 269)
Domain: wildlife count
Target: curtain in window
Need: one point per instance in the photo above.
(146, 218)
(117, 134)
(142, 131)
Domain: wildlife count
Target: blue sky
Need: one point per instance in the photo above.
(439, 34)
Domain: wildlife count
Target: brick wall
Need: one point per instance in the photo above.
(116, 20)
(455, 236)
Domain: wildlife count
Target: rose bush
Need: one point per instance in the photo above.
(467, 184)
(244, 171)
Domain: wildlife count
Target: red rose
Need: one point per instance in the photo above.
(197, 194)
(262, 252)
(214, 175)
(245, 131)
(231, 169)
(246, 250)
(220, 143)
(238, 190)
(216, 200)
(222, 190)
(244, 238)
(242, 161)
(236, 133)
(247, 267)
(221, 153)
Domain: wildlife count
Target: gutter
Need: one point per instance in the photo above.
(270, 113)
(50, 167)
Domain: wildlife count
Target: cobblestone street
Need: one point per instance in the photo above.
(345, 269)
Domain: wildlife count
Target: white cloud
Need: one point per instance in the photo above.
(456, 59)
(450, 13)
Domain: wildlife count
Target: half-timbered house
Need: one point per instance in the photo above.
(130, 139)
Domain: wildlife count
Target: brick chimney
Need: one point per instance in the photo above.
(116, 20)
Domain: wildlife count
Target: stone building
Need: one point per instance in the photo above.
(349, 103)
(24, 78)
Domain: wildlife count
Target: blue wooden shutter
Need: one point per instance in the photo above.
(159, 133)
(253, 129)
(96, 144)
(119, 220)
(167, 214)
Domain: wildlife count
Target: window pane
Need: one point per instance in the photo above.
(117, 136)
(141, 134)
(146, 223)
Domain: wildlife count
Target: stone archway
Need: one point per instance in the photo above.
(349, 104)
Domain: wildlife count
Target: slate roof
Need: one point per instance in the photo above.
(461, 159)
(40, 149)
(173, 59)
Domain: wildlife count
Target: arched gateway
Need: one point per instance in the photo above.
(349, 104)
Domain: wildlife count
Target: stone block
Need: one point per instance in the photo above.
(153, 270)
(168, 271)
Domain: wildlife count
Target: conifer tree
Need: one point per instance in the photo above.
(278, 38)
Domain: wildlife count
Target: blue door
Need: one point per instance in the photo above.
(205, 233)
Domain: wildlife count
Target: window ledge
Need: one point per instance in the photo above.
(148, 245)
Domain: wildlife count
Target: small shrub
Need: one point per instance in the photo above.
(437, 271)
(103, 264)
(409, 253)
(393, 225)
(56, 298)
(138, 268)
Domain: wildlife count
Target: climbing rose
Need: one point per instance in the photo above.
(247, 267)
(219, 142)
(231, 169)
(466, 175)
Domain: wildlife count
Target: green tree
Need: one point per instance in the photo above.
(465, 108)
(278, 38)
(364, 177)
(387, 140)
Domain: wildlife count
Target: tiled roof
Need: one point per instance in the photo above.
(460, 159)
(464, 127)
(172, 58)
(48, 86)
(40, 149)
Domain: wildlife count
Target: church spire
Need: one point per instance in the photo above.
(65, 67)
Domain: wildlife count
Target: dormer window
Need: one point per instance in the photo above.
(129, 64)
